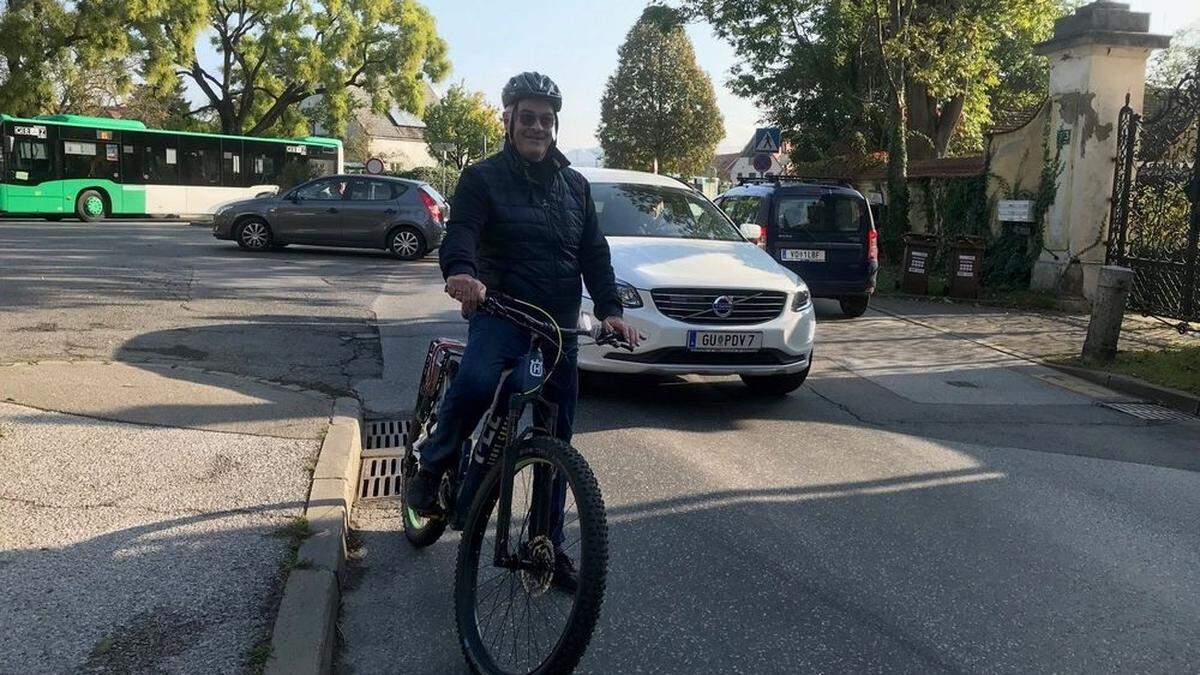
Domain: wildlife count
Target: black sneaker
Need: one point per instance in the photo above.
(566, 578)
(421, 492)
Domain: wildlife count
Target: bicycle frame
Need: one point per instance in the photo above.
(518, 388)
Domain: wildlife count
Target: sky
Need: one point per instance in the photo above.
(575, 42)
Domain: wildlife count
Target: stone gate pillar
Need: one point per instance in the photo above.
(1097, 55)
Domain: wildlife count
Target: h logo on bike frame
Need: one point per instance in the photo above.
(535, 367)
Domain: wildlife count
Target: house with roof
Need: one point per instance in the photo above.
(397, 137)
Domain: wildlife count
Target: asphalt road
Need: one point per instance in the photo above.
(922, 504)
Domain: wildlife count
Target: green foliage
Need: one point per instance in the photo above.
(821, 71)
(274, 54)
(53, 58)
(466, 121)
(659, 107)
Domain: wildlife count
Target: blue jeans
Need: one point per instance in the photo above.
(494, 344)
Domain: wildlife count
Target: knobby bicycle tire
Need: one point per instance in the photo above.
(593, 565)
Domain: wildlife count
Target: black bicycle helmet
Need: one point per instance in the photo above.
(531, 85)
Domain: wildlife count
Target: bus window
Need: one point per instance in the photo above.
(263, 162)
(231, 163)
(149, 159)
(30, 161)
(85, 159)
(201, 160)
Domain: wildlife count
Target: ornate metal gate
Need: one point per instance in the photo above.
(1155, 220)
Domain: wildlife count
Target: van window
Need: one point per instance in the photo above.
(799, 216)
(742, 209)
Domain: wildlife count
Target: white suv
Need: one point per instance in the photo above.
(708, 300)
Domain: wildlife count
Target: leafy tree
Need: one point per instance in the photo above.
(164, 108)
(466, 121)
(52, 59)
(275, 54)
(659, 111)
(1170, 66)
(854, 77)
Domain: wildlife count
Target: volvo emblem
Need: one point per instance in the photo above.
(722, 306)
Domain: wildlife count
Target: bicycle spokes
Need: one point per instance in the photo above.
(521, 607)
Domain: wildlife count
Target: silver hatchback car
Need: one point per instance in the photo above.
(405, 217)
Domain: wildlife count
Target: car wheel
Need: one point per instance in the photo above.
(775, 385)
(91, 206)
(406, 243)
(855, 306)
(254, 235)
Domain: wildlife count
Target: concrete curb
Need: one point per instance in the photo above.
(1164, 396)
(304, 634)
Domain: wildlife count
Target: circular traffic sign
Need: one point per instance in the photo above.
(374, 165)
(761, 162)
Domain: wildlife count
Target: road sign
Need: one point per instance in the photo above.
(767, 140)
(374, 166)
(1015, 211)
(761, 162)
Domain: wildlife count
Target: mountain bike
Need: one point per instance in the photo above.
(520, 497)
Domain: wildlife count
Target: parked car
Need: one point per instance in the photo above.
(708, 300)
(403, 216)
(822, 232)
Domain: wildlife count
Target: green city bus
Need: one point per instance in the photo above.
(93, 167)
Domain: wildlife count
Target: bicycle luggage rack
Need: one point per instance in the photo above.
(384, 442)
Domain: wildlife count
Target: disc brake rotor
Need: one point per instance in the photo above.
(540, 552)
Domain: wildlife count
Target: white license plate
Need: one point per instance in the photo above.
(802, 255)
(722, 341)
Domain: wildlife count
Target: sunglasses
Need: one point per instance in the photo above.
(529, 119)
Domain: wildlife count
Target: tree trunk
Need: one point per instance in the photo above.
(897, 179)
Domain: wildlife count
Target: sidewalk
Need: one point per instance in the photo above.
(1030, 334)
(1046, 336)
(140, 513)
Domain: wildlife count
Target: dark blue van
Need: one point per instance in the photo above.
(822, 232)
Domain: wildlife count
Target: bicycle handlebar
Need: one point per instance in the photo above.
(501, 305)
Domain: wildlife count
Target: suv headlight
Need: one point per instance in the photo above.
(802, 298)
(628, 295)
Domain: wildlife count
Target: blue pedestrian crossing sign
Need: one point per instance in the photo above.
(767, 140)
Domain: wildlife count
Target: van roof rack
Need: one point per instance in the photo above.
(786, 178)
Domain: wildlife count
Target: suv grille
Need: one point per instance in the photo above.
(696, 305)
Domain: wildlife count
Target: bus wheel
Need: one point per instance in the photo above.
(91, 206)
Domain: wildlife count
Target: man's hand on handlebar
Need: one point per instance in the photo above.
(627, 333)
(466, 289)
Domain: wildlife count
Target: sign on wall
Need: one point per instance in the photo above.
(1015, 211)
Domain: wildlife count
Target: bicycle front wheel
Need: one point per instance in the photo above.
(528, 618)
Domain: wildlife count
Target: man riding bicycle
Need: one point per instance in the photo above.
(523, 224)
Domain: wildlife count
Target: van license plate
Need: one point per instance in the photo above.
(802, 255)
(721, 341)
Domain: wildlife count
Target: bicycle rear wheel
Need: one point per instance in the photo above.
(521, 621)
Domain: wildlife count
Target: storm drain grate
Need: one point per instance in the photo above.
(384, 442)
(381, 477)
(1150, 411)
(386, 434)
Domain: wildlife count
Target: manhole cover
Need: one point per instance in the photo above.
(1150, 411)
(384, 442)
